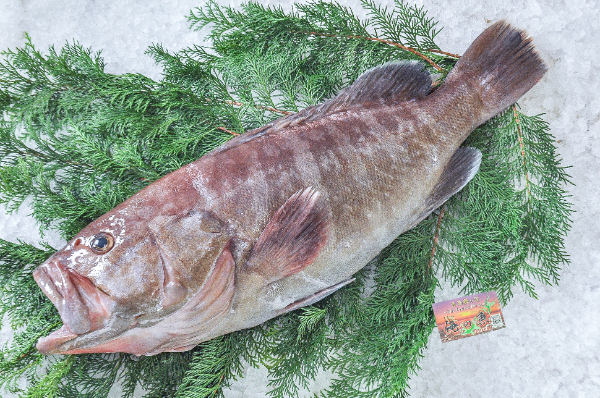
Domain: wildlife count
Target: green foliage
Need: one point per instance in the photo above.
(28, 309)
(407, 25)
(78, 141)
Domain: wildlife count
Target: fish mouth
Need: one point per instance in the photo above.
(83, 307)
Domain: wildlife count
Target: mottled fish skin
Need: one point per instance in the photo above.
(281, 216)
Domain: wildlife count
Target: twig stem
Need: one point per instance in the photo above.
(227, 131)
(435, 50)
(521, 144)
(391, 43)
(268, 108)
(436, 237)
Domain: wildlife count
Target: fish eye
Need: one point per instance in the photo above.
(102, 243)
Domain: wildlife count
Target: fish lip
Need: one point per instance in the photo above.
(83, 307)
(45, 282)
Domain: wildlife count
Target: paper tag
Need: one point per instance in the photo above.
(468, 316)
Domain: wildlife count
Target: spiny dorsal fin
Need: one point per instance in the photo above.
(389, 84)
(385, 85)
(461, 169)
(293, 238)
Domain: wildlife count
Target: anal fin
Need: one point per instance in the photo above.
(461, 169)
(293, 237)
(313, 298)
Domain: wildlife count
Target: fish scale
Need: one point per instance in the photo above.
(284, 215)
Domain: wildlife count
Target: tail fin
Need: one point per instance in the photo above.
(502, 63)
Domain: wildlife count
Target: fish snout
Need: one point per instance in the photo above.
(82, 306)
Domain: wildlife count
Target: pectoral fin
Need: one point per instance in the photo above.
(293, 238)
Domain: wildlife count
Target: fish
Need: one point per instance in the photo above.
(284, 215)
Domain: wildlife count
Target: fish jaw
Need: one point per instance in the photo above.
(50, 344)
(106, 328)
(83, 308)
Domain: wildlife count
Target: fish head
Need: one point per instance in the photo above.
(121, 274)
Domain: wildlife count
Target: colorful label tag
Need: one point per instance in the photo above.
(468, 316)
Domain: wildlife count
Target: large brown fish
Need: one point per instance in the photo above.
(282, 216)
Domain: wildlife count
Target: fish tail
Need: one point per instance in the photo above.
(501, 65)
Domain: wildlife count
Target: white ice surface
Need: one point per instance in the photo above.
(550, 345)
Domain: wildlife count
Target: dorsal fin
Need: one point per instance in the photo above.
(388, 84)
